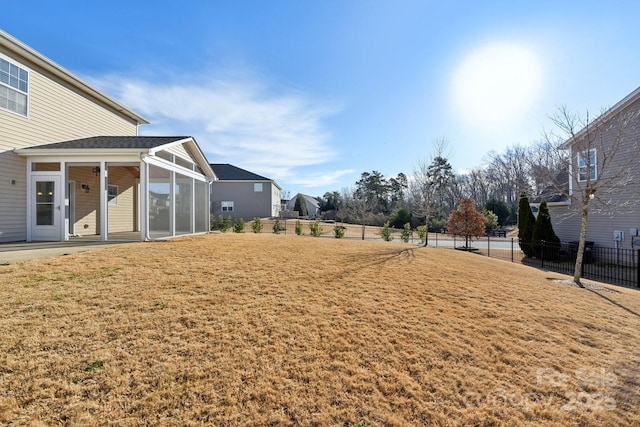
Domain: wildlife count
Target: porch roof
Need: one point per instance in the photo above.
(120, 145)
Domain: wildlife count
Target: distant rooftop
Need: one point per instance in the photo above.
(227, 172)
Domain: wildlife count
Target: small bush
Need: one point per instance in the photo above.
(338, 231)
(386, 232)
(315, 229)
(406, 233)
(298, 227)
(277, 227)
(224, 223)
(256, 225)
(238, 226)
(212, 222)
(422, 233)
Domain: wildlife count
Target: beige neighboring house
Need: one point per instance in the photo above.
(239, 193)
(72, 163)
(617, 223)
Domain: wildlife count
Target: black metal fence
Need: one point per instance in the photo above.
(609, 265)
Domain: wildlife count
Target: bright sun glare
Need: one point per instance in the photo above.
(495, 84)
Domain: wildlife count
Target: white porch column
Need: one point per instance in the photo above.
(143, 202)
(104, 207)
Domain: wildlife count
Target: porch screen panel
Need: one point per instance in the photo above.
(184, 204)
(202, 210)
(159, 202)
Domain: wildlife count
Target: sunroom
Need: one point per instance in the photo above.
(117, 188)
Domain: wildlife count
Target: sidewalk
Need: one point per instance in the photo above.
(11, 253)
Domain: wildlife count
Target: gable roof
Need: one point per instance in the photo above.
(619, 106)
(14, 45)
(227, 172)
(109, 143)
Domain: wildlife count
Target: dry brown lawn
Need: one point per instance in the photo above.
(287, 330)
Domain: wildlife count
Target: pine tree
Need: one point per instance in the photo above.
(526, 221)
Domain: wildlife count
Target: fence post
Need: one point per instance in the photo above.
(488, 246)
(512, 249)
(436, 239)
(541, 253)
(362, 231)
(638, 271)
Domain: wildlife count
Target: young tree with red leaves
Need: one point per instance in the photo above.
(467, 221)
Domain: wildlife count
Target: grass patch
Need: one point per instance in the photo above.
(262, 329)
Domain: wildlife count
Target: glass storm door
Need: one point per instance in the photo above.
(45, 208)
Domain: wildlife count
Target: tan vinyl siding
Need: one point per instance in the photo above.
(123, 216)
(86, 207)
(56, 113)
(180, 151)
(13, 201)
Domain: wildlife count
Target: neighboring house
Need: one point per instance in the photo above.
(72, 163)
(614, 222)
(239, 193)
(313, 205)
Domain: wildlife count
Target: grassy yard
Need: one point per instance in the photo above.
(266, 329)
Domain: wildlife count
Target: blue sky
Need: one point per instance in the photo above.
(313, 93)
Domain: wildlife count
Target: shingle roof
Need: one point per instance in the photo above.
(227, 172)
(111, 142)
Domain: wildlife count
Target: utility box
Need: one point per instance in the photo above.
(618, 235)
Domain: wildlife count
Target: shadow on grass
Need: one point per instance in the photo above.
(628, 310)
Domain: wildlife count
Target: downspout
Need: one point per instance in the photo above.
(145, 198)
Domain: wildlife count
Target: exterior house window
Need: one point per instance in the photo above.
(112, 195)
(227, 206)
(257, 187)
(590, 157)
(14, 87)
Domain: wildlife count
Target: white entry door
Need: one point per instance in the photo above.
(46, 204)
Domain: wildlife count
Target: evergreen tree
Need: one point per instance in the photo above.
(300, 205)
(526, 221)
(543, 238)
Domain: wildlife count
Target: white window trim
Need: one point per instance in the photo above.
(228, 205)
(112, 200)
(582, 165)
(27, 93)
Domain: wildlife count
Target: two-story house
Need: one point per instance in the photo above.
(238, 193)
(72, 163)
(604, 168)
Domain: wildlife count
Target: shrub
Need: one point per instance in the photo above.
(300, 205)
(422, 233)
(338, 231)
(212, 222)
(543, 239)
(492, 220)
(224, 223)
(526, 221)
(256, 225)
(406, 233)
(238, 226)
(386, 232)
(298, 227)
(277, 227)
(315, 229)
(399, 217)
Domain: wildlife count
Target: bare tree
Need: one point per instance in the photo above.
(430, 180)
(598, 170)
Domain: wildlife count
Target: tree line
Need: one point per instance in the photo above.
(432, 191)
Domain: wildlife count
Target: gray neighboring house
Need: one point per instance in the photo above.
(239, 193)
(313, 205)
(617, 226)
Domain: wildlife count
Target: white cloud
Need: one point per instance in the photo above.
(242, 122)
(321, 179)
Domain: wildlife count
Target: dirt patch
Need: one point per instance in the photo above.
(270, 329)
